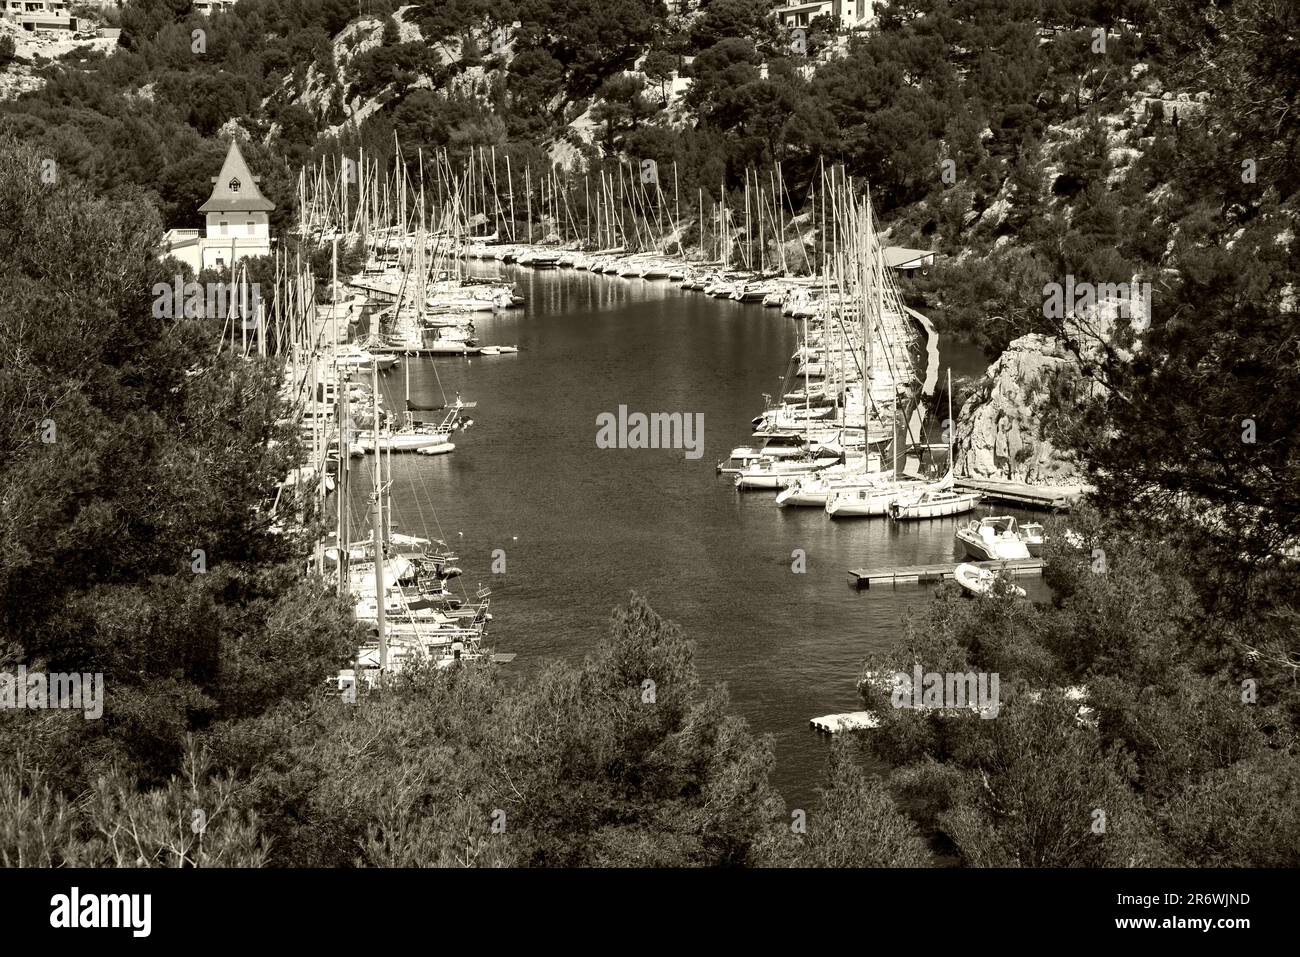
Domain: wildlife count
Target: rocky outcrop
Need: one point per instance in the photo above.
(999, 428)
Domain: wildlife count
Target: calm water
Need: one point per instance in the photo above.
(581, 527)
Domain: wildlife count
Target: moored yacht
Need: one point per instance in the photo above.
(995, 538)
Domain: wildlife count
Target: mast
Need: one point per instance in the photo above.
(377, 528)
(677, 209)
(341, 491)
(807, 419)
(951, 426)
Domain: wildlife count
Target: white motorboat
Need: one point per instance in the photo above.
(992, 539)
(773, 445)
(774, 474)
(981, 581)
(447, 347)
(353, 357)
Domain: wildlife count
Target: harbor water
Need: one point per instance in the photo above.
(577, 527)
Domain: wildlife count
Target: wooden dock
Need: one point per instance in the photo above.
(849, 721)
(942, 571)
(1056, 498)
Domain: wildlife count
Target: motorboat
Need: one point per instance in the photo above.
(774, 474)
(354, 357)
(993, 539)
(774, 445)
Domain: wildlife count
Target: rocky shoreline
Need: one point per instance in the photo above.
(999, 429)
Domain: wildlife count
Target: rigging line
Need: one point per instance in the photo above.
(416, 491)
(442, 536)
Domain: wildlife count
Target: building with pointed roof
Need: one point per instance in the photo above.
(237, 220)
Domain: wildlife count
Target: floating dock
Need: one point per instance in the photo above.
(849, 721)
(1056, 498)
(424, 351)
(942, 571)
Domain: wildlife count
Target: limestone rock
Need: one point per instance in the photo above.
(999, 427)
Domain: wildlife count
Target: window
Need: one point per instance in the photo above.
(234, 185)
(225, 228)
(250, 228)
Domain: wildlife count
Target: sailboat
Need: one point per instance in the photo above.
(941, 499)
(409, 437)
(858, 488)
(936, 501)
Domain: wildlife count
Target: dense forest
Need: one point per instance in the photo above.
(1000, 133)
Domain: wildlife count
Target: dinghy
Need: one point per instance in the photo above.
(980, 581)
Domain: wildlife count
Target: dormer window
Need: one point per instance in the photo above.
(233, 185)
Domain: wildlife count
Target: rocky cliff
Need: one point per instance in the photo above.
(999, 428)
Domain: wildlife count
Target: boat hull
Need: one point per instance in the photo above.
(982, 582)
(916, 511)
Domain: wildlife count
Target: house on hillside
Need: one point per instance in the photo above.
(237, 221)
(34, 15)
(849, 13)
(209, 7)
(906, 261)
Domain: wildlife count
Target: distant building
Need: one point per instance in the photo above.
(237, 217)
(33, 15)
(209, 7)
(850, 13)
(905, 260)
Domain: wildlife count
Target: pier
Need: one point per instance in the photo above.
(931, 352)
(425, 351)
(1055, 498)
(939, 572)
